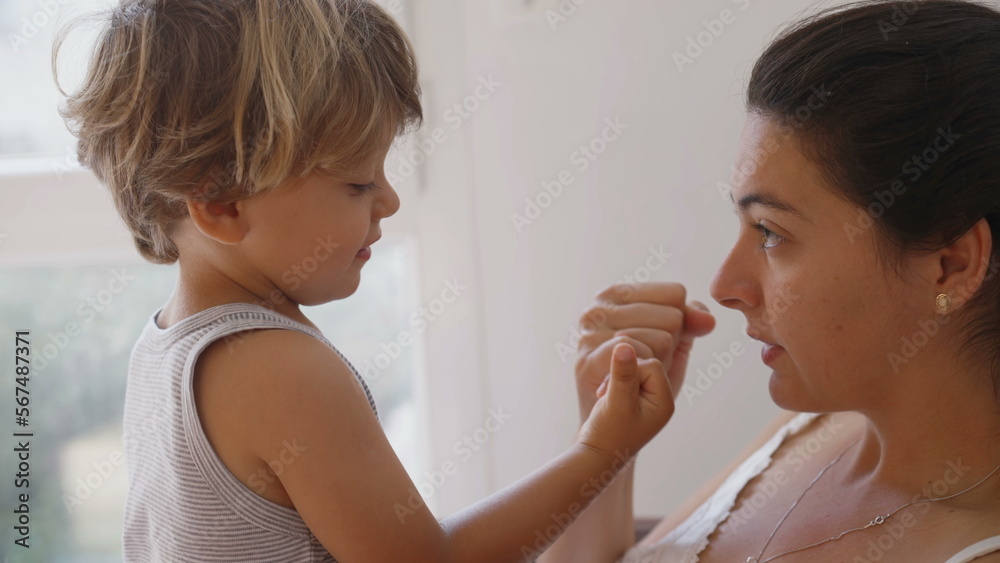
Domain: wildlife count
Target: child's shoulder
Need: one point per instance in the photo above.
(290, 419)
(248, 346)
(266, 361)
(250, 396)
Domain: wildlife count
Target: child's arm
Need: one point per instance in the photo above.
(606, 529)
(354, 494)
(534, 511)
(604, 532)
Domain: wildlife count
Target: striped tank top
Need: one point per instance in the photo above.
(183, 504)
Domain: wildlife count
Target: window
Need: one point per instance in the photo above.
(29, 123)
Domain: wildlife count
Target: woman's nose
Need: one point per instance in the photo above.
(731, 284)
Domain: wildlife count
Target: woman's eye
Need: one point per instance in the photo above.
(365, 188)
(766, 234)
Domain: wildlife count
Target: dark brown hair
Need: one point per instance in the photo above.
(896, 77)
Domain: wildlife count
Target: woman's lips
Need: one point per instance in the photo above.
(770, 352)
(365, 253)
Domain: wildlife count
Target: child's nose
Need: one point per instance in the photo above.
(390, 201)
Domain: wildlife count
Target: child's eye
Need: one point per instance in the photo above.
(365, 188)
(767, 233)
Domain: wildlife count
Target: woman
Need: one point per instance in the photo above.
(868, 196)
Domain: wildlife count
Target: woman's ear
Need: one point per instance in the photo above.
(222, 222)
(967, 264)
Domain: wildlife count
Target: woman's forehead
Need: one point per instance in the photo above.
(772, 171)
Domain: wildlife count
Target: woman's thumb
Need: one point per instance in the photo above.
(698, 320)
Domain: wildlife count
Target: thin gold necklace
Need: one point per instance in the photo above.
(879, 519)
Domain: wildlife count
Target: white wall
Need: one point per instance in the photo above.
(654, 186)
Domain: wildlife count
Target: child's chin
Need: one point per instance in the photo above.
(343, 290)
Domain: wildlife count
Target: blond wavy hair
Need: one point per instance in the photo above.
(224, 99)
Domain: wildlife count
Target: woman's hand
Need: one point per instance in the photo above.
(653, 318)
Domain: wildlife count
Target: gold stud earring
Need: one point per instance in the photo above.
(943, 302)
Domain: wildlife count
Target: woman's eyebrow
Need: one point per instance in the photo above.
(770, 201)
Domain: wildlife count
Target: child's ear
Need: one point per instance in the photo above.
(222, 222)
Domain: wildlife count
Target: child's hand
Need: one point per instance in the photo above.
(653, 317)
(635, 402)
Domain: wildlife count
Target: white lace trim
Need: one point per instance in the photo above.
(978, 549)
(690, 538)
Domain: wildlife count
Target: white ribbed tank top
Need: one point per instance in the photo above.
(183, 504)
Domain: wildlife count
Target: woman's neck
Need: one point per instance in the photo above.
(934, 437)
